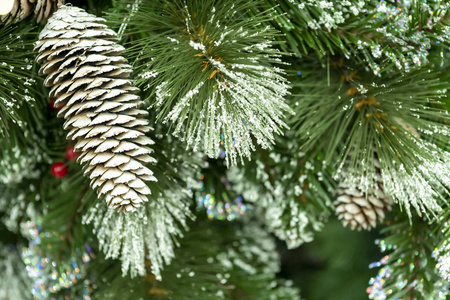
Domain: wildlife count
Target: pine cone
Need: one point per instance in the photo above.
(21, 9)
(42, 9)
(90, 81)
(45, 8)
(360, 210)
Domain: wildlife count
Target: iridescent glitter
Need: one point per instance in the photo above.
(375, 290)
(51, 276)
(219, 207)
(387, 285)
(442, 255)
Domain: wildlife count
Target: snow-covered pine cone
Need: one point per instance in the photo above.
(42, 10)
(90, 81)
(359, 210)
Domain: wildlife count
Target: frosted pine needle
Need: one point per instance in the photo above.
(16, 84)
(212, 78)
(151, 233)
(395, 120)
(420, 186)
(442, 257)
(148, 233)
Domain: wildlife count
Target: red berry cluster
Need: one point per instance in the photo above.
(59, 169)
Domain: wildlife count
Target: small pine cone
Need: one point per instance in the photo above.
(360, 210)
(90, 81)
(42, 9)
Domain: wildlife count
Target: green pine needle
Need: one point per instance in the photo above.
(16, 83)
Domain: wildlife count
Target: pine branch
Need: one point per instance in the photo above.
(210, 73)
(288, 188)
(320, 27)
(358, 115)
(372, 33)
(406, 271)
(220, 260)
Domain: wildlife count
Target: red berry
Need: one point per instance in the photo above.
(71, 154)
(59, 169)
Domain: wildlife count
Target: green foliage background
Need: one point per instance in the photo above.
(324, 81)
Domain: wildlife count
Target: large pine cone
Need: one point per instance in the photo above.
(90, 81)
